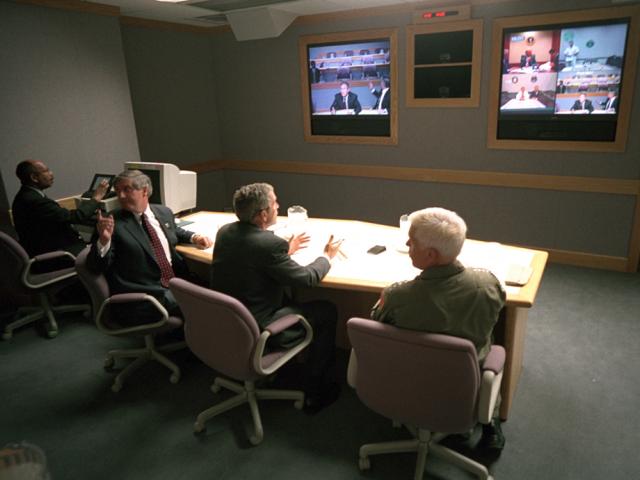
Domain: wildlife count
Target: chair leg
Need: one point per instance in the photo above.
(52, 330)
(424, 436)
(296, 395)
(129, 369)
(211, 412)
(258, 432)
(460, 460)
(34, 313)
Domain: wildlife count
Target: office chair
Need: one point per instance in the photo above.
(17, 279)
(428, 382)
(344, 71)
(224, 335)
(101, 300)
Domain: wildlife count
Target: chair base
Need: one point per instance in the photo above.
(27, 315)
(246, 393)
(143, 355)
(425, 443)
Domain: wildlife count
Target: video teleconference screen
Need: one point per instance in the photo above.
(349, 88)
(562, 82)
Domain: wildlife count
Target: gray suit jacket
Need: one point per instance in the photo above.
(253, 265)
(130, 265)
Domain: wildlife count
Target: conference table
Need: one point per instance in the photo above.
(356, 277)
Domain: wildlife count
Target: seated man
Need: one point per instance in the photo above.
(346, 100)
(253, 265)
(446, 297)
(41, 223)
(582, 105)
(136, 249)
(528, 59)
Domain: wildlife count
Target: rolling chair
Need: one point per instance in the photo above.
(101, 299)
(428, 382)
(224, 335)
(17, 279)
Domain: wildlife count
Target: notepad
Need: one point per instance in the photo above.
(518, 275)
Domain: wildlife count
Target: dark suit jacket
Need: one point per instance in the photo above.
(386, 101)
(587, 106)
(532, 61)
(614, 103)
(43, 225)
(130, 265)
(253, 266)
(352, 101)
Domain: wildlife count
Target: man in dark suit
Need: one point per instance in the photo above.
(383, 96)
(253, 265)
(582, 104)
(528, 59)
(136, 248)
(611, 103)
(346, 100)
(41, 223)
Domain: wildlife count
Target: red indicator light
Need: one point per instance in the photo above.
(427, 15)
(440, 14)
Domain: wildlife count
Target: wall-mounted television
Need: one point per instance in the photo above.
(565, 78)
(348, 87)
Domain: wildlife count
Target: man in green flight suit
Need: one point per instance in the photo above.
(446, 297)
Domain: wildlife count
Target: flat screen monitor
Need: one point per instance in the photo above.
(563, 81)
(348, 86)
(172, 187)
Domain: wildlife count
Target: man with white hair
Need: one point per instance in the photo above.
(446, 297)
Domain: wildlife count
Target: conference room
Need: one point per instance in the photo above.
(88, 87)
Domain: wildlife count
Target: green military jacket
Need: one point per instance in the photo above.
(448, 299)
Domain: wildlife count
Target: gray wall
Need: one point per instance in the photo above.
(173, 90)
(267, 125)
(64, 96)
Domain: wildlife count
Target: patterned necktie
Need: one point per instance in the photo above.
(166, 272)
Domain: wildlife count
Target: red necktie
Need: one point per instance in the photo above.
(166, 272)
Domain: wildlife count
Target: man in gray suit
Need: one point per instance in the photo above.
(253, 265)
(135, 248)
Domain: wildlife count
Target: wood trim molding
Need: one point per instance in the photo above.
(591, 260)
(76, 6)
(466, 177)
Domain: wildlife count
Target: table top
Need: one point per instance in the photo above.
(363, 271)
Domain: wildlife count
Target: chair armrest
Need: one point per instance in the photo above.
(288, 354)
(121, 298)
(26, 274)
(490, 384)
(282, 323)
(352, 369)
(495, 359)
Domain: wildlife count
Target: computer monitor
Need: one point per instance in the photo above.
(172, 187)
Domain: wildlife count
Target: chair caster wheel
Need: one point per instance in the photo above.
(364, 463)
(175, 378)
(198, 427)
(116, 387)
(254, 440)
(52, 333)
(109, 362)
(215, 388)
(7, 335)
(298, 404)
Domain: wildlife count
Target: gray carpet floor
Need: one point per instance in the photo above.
(574, 416)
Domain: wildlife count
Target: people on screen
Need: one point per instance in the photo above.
(505, 61)
(446, 297)
(552, 64)
(314, 72)
(136, 249)
(528, 59)
(383, 95)
(253, 265)
(611, 103)
(522, 94)
(43, 225)
(582, 105)
(535, 93)
(561, 87)
(346, 100)
(571, 54)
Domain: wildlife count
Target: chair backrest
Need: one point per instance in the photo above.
(426, 380)
(218, 329)
(14, 260)
(95, 283)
